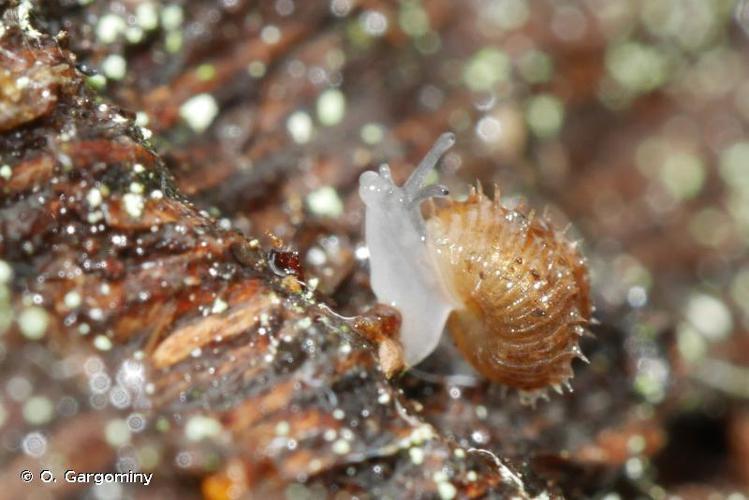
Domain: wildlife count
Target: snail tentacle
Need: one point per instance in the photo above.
(384, 171)
(433, 191)
(415, 182)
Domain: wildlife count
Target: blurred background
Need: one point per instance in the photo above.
(628, 119)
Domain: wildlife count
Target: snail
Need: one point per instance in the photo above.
(512, 290)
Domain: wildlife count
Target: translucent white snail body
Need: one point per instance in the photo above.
(513, 290)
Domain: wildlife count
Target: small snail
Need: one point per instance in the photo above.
(512, 289)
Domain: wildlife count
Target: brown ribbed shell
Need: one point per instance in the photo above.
(523, 287)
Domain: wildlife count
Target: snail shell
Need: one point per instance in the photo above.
(522, 288)
(513, 290)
